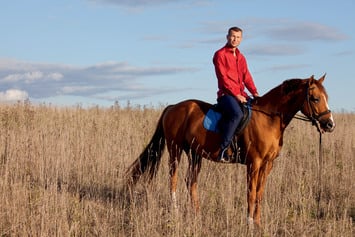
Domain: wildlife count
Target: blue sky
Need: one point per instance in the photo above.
(158, 52)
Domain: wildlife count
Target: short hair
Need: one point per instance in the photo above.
(234, 28)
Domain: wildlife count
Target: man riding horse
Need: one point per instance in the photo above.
(233, 76)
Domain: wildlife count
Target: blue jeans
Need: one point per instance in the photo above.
(232, 114)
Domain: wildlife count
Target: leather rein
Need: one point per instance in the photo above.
(314, 118)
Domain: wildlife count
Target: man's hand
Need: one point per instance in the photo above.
(241, 99)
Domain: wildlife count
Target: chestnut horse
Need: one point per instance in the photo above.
(181, 128)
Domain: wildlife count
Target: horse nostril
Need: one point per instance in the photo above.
(330, 125)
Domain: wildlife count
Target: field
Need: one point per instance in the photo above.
(62, 172)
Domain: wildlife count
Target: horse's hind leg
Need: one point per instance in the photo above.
(191, 178)
(174, 160)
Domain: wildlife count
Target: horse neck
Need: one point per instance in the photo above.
(282, 106)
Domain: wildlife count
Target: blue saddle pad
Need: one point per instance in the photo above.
(210, 122)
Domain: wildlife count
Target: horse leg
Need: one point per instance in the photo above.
(174, 160)
(263, 173)
(194, 168)
(252, 180)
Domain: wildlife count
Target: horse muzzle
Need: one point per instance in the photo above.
(327, 125)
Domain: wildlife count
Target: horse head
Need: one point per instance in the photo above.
(315, 106)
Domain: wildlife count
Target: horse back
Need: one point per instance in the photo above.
(183, 126)
(184, 115)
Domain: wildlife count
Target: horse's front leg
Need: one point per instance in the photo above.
(263, 174)
(191, 179)
(252, 181)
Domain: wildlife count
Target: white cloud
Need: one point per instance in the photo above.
(55, 76)
(305, 31)
(27, 77)
(13, 95)
(41, 80)
(275, 50)
(30, 77)
(76, 89)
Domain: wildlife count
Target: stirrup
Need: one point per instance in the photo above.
(223, 156)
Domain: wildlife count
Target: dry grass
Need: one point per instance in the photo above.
(62, 168)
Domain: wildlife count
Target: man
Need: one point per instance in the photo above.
(233, 76)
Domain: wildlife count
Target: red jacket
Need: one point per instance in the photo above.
(232, 73)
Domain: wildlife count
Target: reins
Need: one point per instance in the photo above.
(320, 158)
(314, 119)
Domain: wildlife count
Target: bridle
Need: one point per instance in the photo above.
(314, 116)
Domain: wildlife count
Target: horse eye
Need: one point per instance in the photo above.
(314, 99)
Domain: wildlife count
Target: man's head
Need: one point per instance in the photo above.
(234, 36)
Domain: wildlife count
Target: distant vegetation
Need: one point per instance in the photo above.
(62, 170)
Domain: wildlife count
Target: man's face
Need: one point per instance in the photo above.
(234, 38)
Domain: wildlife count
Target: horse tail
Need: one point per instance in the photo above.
(149, 160)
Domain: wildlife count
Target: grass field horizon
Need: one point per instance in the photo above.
(62, 174)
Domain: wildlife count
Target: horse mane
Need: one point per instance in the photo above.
(290, 93)
(292, 85)
(280, 91)
(279, 99)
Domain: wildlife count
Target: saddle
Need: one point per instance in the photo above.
(213, 119)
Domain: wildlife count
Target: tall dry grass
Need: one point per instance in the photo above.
(62, 171)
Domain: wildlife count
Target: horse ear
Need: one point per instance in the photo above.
(311, 80)
(322, 78)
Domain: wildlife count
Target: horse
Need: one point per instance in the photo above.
(180, 129)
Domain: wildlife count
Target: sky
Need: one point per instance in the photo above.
(159, 52)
